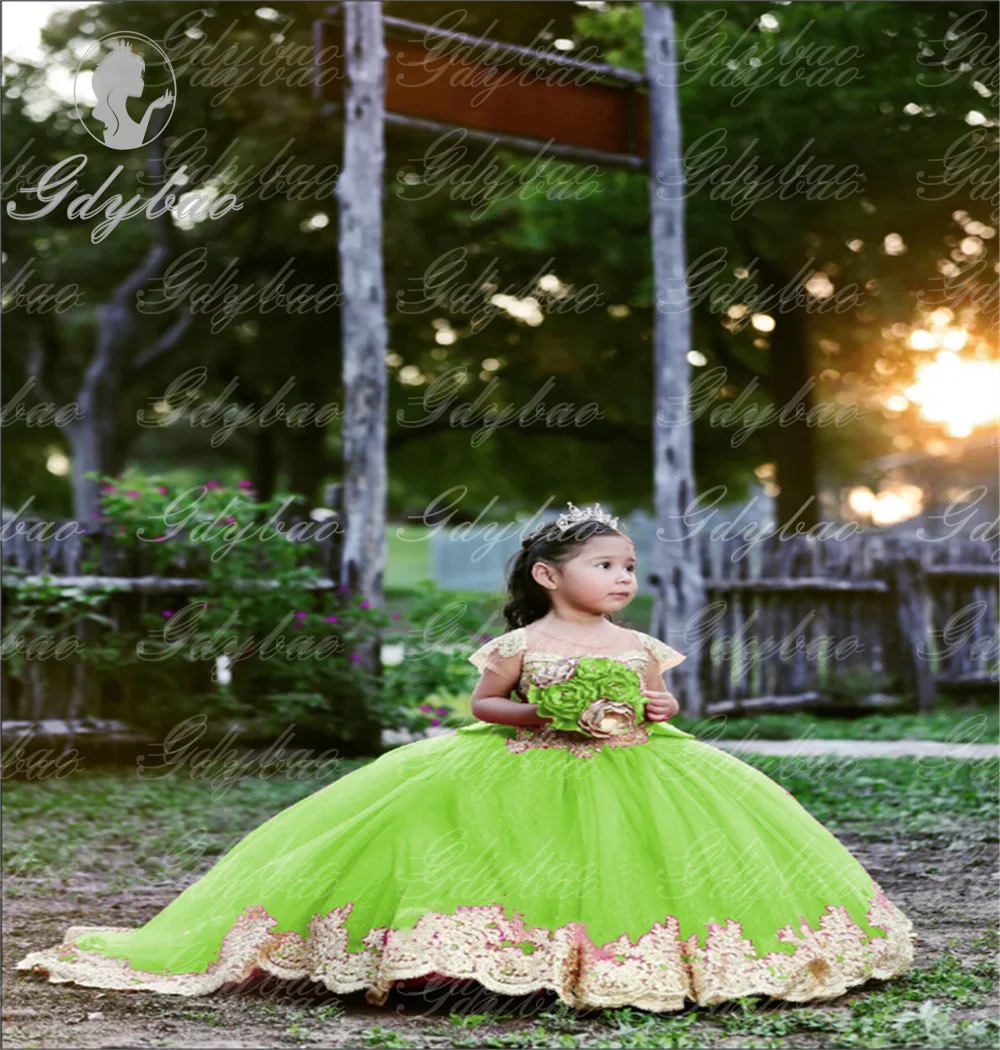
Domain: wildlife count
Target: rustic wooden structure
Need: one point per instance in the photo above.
(787, 624)
(588, 112)
(364, 330)
(796, 622)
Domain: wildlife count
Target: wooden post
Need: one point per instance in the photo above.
(365, 339)
(909, 590)
(364, 335)
(676, 561)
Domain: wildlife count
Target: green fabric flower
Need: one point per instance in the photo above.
(595, 678)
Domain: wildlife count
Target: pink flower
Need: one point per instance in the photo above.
(435, 721)
(211, 484)
(132, 493)
(355, 656)
(395, 616)
(245, 484)
(333, 619)
(342, 589)
(300, 615)
(426, 707)
(442, 710)
(162, 489)
(108, 488)
(229, 521)
(166, 612)
(366, 605)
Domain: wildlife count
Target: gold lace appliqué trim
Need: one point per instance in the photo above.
(579, 744)
(504, 955)
(509, 644)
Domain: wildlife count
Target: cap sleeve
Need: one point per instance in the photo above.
(504, 645)
(662, 653)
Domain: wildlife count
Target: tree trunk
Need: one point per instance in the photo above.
(265, 468)
(305, 453)
(791, 384)
(679, 592)
(95, 441)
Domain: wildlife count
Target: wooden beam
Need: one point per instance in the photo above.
(519, 96)
(148, 584)
(985, 571)
(804, 583)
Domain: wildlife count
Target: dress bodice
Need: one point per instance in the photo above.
(543, 668)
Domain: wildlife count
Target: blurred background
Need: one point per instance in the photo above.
(839, 150)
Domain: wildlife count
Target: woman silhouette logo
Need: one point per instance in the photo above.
(118, 77)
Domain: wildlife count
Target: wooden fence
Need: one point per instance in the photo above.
(799, 620)
(788, 623)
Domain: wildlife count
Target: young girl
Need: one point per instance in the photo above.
(620, 862)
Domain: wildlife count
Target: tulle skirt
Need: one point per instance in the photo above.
(644, 875)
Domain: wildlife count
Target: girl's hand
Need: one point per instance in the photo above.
(540, 720)
(660, 705)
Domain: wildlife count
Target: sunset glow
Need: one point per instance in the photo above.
(959, 393)
(891, 504)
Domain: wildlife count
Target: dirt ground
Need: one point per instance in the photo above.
(950, 893)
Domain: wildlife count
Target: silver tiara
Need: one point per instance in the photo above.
(591, 513)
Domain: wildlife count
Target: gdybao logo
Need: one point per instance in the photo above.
(125, 69)
(125, 61)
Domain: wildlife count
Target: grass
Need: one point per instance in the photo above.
(958, 721)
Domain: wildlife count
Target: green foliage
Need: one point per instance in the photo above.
(43, 613)
(293, 650)
(432, 683)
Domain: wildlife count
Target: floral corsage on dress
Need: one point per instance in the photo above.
(598, 699)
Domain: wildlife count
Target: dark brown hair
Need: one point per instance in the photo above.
(528, 600)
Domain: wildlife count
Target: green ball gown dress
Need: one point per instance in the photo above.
(643, 869)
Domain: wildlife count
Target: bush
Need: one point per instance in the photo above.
(284, 653)
(432, 683)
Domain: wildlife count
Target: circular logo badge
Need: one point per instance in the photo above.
(127, 65)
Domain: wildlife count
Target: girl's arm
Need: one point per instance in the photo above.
(490, 698)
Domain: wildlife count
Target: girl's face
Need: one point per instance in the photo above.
(600, 577)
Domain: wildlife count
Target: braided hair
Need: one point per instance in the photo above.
(528, 599)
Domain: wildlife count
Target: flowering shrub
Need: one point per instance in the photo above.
(277, 647)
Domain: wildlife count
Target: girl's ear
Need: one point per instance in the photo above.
(541, 573)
